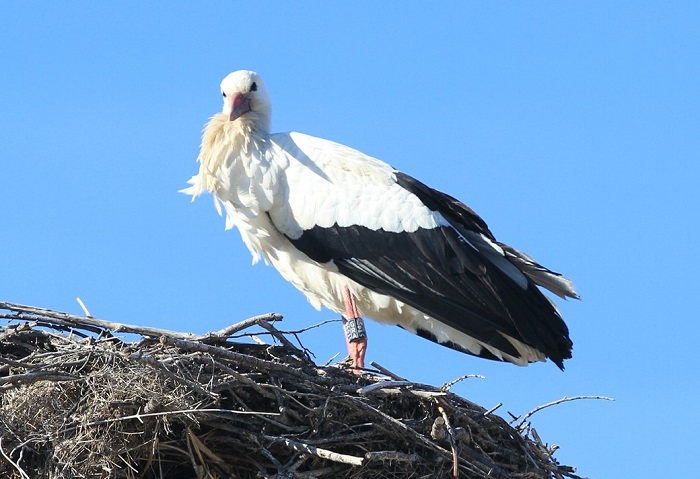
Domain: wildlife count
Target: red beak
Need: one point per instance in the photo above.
(240, 106)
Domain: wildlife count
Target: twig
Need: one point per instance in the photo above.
(317, 451)
(202, 449)
(298, 332)
(196, 467)
(391, 456)
(363, 391)
(329, 361)
(356, 437)
(447, 386)
(493, 409)
(313, 326)
(280, 337)
(520, 424)
(19, 364)
(34, 376)
(240, 326)
(82, 305)
(14, 464)
(453, 443)
(82, 321)
(257, 340)
(421, 390)
(138, 416)
(385, 371)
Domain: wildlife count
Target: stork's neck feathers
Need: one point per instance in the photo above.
(236, 168)
(260, 121)
(223, 142)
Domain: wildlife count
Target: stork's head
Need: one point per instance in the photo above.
(245, 96)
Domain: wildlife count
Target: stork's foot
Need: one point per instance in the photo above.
(356, 337)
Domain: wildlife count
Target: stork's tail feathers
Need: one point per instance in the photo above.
(554, 282)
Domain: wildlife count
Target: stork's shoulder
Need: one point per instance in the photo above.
(334, 159)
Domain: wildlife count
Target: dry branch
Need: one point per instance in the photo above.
(522, 424)
(76, 401)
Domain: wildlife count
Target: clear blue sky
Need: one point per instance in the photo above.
(573, 128)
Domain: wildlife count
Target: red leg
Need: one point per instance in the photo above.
(355, 335)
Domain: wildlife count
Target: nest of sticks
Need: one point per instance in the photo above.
(78, 401)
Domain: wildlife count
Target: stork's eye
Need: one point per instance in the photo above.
(224, 94)
(254, 87)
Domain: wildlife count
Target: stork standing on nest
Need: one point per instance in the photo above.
(363, 239)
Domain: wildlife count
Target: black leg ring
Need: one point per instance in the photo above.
(355, 329)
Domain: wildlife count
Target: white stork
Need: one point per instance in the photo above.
(361, 238)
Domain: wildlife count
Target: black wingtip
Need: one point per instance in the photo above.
(565, 354)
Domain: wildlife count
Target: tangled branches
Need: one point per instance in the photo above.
(76, 401)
